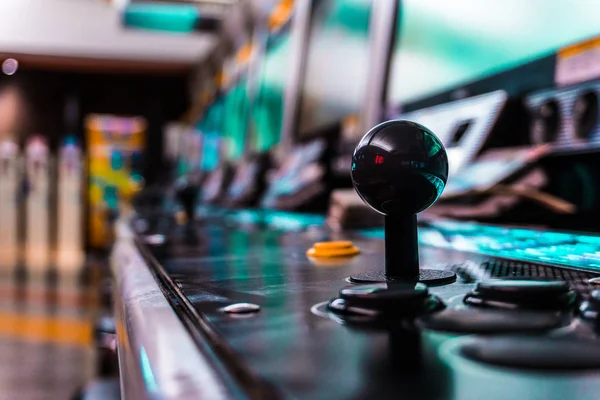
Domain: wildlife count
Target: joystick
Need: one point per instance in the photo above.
(400, 168)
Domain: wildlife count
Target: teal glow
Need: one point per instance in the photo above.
(70, 140)
(211, 128)
(181, 167)
(266, 114)
(292, 221)
(116, 160)
(147, 373)
(111, 197)
(137, 178)
(245, 217)
(433, 146)
(350, 15)
(235, 121)
(162, 17)
(559, 248)
(435, 181)
(210, 152)
(283, 220)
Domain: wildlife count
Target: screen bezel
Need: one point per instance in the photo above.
(322, 130)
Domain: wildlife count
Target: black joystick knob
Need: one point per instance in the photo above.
(186, 192)
(400, 168)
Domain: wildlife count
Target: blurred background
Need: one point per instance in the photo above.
(100, 99)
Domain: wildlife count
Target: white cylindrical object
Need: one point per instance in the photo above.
(37, 238)
(10, 177)
(69, 226)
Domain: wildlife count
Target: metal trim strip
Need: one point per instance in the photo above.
(157, 356)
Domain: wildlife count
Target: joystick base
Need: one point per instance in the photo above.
(431, 277)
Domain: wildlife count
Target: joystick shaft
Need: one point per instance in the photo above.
(401, 248)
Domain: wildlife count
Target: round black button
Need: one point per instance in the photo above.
(522, 294)
(385, 301)
(490, 321)
(520, 287)
(383, 295)
(540, 353)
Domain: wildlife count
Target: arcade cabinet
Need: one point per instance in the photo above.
(487, 291)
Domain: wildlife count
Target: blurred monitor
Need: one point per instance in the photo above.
(224, 126)
(336, 69)
(441, 44)
(211, 128)
(235, 119)
(268, 105)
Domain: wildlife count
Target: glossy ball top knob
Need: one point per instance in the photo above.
(399, 167)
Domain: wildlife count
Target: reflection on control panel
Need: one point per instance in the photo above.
(558, 248)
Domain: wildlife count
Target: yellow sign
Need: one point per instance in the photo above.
(115, 146)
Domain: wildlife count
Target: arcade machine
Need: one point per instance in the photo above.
(302, 179)
(486, 111)
(444, 310)
(338, 32)
(268, 76)
(227, 184)
(274, 320)
(231, 118)
(10, 185)
(244, 122)
(513, 153)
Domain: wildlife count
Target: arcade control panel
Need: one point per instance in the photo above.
(458, 311)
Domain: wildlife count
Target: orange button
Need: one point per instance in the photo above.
(333, 249)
